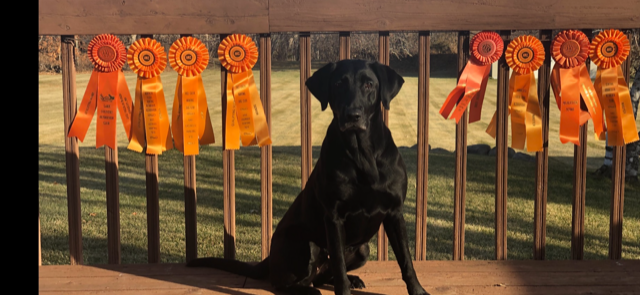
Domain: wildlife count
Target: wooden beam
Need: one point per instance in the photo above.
(266, 177)
(542, 158)
(228, 178)
(395, 15)
(72, 152)
(81, 17)
(305, 108)
(422, 169)
(460, 177)
(383, 58)
(502, 155)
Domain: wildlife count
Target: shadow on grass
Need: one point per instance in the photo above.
(286, 186)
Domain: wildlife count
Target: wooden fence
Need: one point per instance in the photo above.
(80, 17)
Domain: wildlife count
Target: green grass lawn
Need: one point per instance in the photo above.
(286, 182)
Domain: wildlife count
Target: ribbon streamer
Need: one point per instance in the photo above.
(245, 118)
(570, 81)
(486, 48)
(608, 50)
(150, 124)
(524, 55)
(190, 121)
(107, 91)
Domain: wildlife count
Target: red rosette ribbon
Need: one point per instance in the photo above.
(486, 48)
(608, 50)
(572, 84)
(107, 91)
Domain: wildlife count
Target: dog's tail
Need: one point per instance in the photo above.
(257, 271)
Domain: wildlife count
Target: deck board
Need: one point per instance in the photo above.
(437, 277)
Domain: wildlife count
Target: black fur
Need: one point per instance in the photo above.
(358, 183)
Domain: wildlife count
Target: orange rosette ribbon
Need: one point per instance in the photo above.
(150, 125)
(190, 122)
(524, 55)
(608, 51)
(107, 91)
(245, 118)
(486, 48)
(570, 81)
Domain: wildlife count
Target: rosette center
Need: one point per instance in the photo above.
(609, 49)
(570, 48)
(106, 53)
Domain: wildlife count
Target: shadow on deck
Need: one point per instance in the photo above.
(437, 277)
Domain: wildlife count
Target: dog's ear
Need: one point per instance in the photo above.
(318, 84)
(390, 82)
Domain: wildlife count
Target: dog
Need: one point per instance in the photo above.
(358, 183)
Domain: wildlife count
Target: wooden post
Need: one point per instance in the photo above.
(345, 45)
(383, 58)
(39, 242)
(190, 200)
(305, 107)
(72, 153)
(579, 187)
(228, 178)
(502, 152)
(460, 178)
(542, 158)
(423, 144)
(113, 204)
(266, 151)
(617, 180)
(153, 202)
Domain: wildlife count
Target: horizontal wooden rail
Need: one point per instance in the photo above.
(79, 17)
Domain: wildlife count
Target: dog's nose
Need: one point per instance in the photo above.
(354, 115)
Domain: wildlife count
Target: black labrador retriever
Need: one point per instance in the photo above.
(358, 183)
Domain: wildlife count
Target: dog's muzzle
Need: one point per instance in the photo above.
(352, 119)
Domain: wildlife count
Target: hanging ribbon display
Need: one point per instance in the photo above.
(150, 124)
(608, 51)
(190, 120)
(245, 118)
(524, 55)
(570, 81)
(107, 91)
(486, 48)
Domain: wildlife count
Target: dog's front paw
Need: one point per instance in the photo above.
(356, 282)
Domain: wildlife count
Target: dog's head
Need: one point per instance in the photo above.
(354, 89)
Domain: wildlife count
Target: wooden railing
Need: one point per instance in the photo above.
(80, 17)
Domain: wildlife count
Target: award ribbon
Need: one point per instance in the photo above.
(486, 48)
(524, 55)
(570, 80)
(150, 124)
(608, 50)
(246, 120)
(190, 122)
(106, 91)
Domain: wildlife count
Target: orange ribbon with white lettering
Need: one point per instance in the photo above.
(570, 81)
(245, 118)
(486, 48)
(107, 91)
(608, 51)
(190, 121)
(150, 124)
(524, 55)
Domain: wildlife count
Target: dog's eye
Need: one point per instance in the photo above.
(368, 85)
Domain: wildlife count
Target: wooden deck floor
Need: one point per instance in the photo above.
(437, 277)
